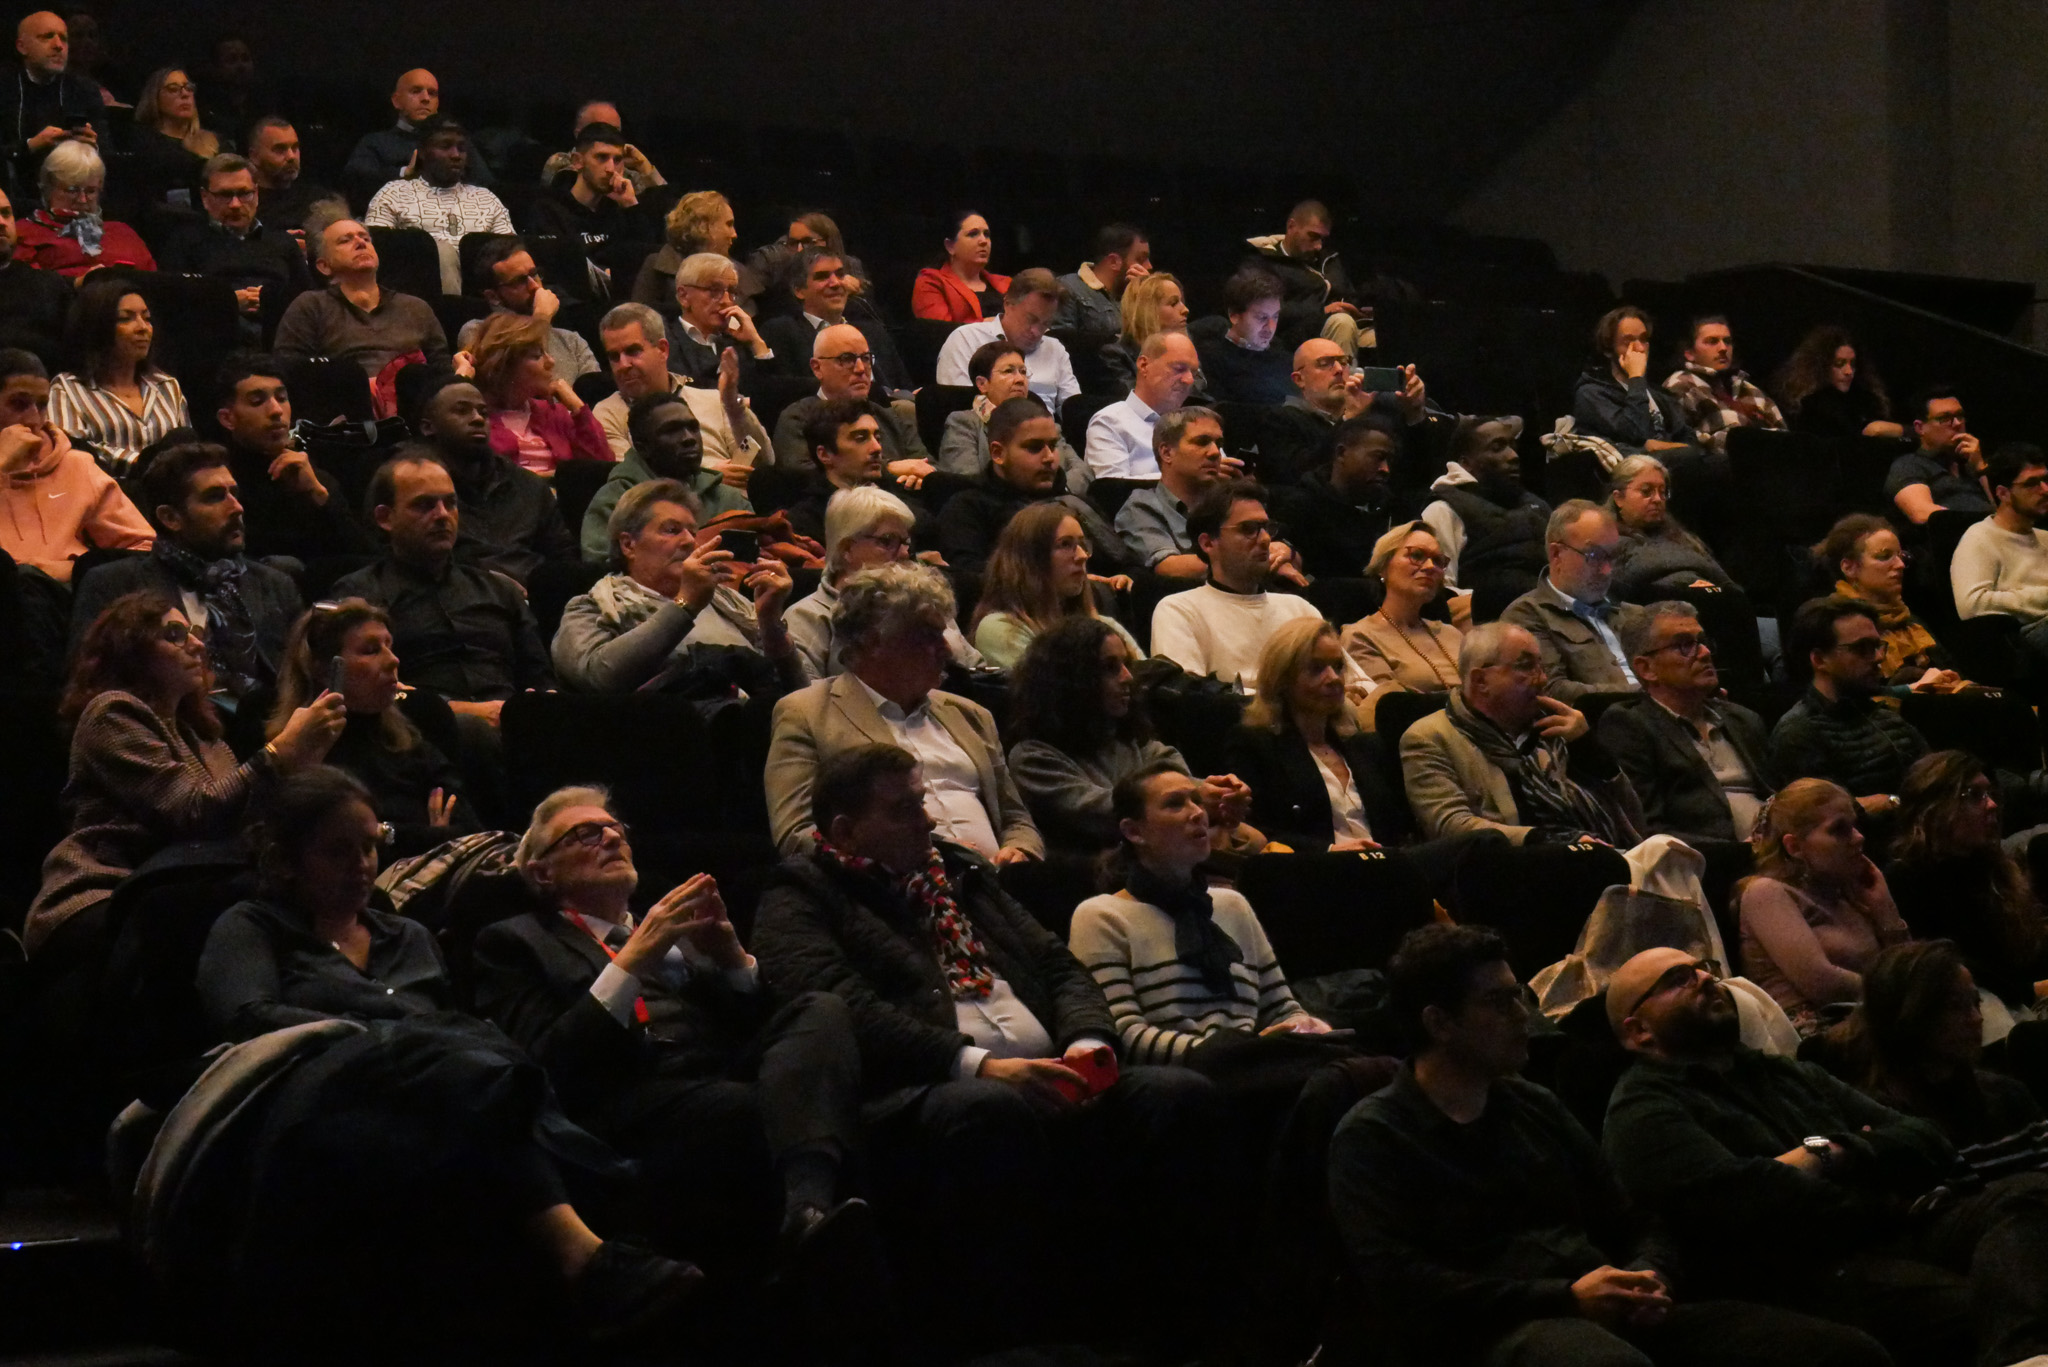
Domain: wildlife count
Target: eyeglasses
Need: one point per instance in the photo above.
(250, 193)
(1672, 978)
(1594, 556)
(853, 358)
(1938, 419)
(1870, 647)
(1687, 646)
(177, 87)
(81, 191)
(1418, 557)
(1250, 527)
(888, 541)
(716, 291)
(590, 835)
(178, 633)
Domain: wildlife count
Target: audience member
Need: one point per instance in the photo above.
(1029, 303)
(1656, 554)
(1491, 529)
(465, 632)
(234, 243)
(440, 200)
(34, 304)
(845, 369)
(113, 397)
(1505, 757)
(599, 214)
(1945, 470)
(1319, 300)
(290, 505)
(1830, 390)
(1036, 576)
(1714, 396)
(1150, 306)
(1122, 435)
(633, 163)
(1088, 311)
(67, 235)
(844, 438)
(824, 284)
(1870, 567)
(667, 443)
(1780, 1182)
(1339, 511)
(231, 94)
(1817, 909)
(660, 1036)
(1023, 469)
(2000, 565)
(889, 627)
(241, 608)
(1241, 365)
(169, 147)
(776, 262)
(709, 321)
(506, 278)
(59, 503)
(1153, 522)
(508, 518)
(865, 526)
(1466, 1255)
(1837, 730)
(54, 104)
(962, 289)
(1577, 629)
(537, 419)
(147, 765)
(412, 786)
(676, 606)
(1953, 879)
(1615, 400)
(1700, 764)
(1220, 627)
(999, 374)
(1299, 435)
(389, 153)
(700, 222)
(354, 318)
(1395, 646)
(285, 198)
(636, 350)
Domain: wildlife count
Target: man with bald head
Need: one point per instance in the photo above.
(844, 366)
(1120, 444)
(385, 155)
(1503, 756)
(1783, 1183)
(50, 103)
(1299, 436)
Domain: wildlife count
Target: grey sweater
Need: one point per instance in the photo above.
(1069, 796)
(1671, 559)
(595, 656)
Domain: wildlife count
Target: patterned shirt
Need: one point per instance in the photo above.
(445, 211)
(1714, 401)
(92, 413)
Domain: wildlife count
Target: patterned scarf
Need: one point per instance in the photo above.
(89, 229)
(1197, 940)
(1546, 794)
(930, 893)
(230, 631)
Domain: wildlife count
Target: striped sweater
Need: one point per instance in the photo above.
(1161, 1007)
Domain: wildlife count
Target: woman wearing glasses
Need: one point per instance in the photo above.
(864, 527)
(1657, 556)
(67, 235)
(1870, 567)
(1397, 647)
(170, 146)
(113, 397)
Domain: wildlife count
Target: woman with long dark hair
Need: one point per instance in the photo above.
(113, 395)
(1829, 388)
(961, 288)
(1037, 576)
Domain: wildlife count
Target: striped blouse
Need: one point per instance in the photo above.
(1161, 1006)
(89, 411)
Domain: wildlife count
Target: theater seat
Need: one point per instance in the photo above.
(1324, 913)
(1075, 414)
(935, 404)
(408, 261)
(1537, 896)
(576, 483)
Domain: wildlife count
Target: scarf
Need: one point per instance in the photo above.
(624, 602)
(1198, 941)
(1906, 641)
(929, 892)
(1545, 792)
(88, 229)
(230, 631)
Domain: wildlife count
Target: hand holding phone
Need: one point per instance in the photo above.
(745, 546)
(337, 674)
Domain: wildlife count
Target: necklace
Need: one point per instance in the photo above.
(1450, 681)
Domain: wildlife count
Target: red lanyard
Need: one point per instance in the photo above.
(639, 1003)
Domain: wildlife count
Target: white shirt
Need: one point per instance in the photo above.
(447, 212)
(1002, 1025)
(952, 785)
(616, 990)
(1997, 571)
(1120, 440)
(1207, 630)
(1051, 373)
(1347, 809)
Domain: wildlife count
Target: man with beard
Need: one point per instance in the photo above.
(1336, 514)
(234, 244)
(505, 277)
(598, 214)
(1489, 526)
(293, 507)
(244, 608)
(1782, 1183)
(1023, 469)
(1297, 436)
(668, 443)
(1712, 393)
(441, 200)
(510, 521)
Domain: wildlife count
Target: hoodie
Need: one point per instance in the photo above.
(64, 505)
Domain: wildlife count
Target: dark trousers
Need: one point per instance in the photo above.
(1709, 1333)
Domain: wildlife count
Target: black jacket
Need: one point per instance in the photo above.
(1236, 374)
(270, 596)
(615, 239)
(1290, 803)
(27, 109)
(33, 308)
(1309, 286)
(1334, 535)
(974, 517)
(807, 514)
(821, 929)
(793, 337)
(1603, 408)
(1678, 791)
(510, 521)
(282, 522)
(267, 256)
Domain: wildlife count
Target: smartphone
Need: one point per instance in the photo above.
(337, 671)
(1380, 379)
(745, 546)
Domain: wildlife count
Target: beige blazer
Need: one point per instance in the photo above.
(836, 714)
(1452, 786)
(1421, 662)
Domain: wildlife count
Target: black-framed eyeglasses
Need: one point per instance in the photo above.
(1870, 647)
(1595, 556)
(853, 358)
(1687, 646)
(1672, 978)
(590, 835)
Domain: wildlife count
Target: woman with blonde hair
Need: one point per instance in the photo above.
(413, 787)
(170, 146)
(1151, 305)
(1037, 576)
(701, 221)
(537, 419)
(1817, 910)
(1399, 649)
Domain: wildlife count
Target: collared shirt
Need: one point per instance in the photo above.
(465, 633)
(952, 785)
(1710, 737)
(1590, 614)
(1050, 370)
(446, 211)
(1001, 1026)
(1154, 524)
(1120, 440)
(82, 407)
(723, 445)
(616, 990)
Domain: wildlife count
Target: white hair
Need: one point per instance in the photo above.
(1486, 644)
(553, 805)
(857, 512)
(71, 162)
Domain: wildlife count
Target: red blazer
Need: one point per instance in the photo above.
(939, 295)
(43, 247)
(570, 436)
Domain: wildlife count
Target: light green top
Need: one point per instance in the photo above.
(1002, 639)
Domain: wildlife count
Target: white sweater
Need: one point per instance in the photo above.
(1208, 631)
(2000, 572)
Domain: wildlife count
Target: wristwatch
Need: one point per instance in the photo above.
(1820, 1146)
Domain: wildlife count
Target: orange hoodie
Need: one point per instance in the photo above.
(64, 505)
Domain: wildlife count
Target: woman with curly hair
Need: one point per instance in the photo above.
(537, 418)
(1037, 575)
(1870, 567)
(1828, 389)
(700, 222)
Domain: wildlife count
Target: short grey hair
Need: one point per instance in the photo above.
(1384, 548)
(223, 164)
(636, 509)
(1570, 511)
(885, 600)
(1632, 467)
(632, 315)
(71, 162)
(324, 214)
(535, 839)
(1640, 628)
(1486, 644)
(1167, 432)
(857, 512)
(701, 268)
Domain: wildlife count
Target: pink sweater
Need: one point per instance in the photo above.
(569, 436)
(63, 507)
